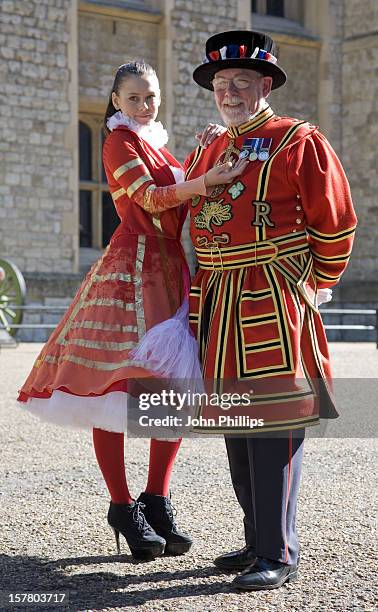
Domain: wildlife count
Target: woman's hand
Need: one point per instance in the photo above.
(225, 173)
(210, 133)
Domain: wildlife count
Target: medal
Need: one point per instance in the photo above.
(263, 154)
(250, 148)
(243, 154)
(255, 149)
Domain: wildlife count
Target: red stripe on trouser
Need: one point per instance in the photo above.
(288, 493)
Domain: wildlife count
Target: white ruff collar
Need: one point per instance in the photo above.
(154, 133)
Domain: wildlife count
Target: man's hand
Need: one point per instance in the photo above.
(210, 133)
(323, 296)
(225, 173)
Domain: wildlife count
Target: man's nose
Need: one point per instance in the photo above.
(231, 86)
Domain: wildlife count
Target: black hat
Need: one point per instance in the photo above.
(239, 49)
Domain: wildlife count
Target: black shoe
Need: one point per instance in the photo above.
(159, 513)
(265, 574)
(237, 559)
(129, 520)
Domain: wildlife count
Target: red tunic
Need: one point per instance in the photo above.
(264, 245)
(138, 282)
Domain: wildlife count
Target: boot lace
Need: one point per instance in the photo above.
(139, 518)
(171, 511)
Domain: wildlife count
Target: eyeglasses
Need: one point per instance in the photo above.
(221, 84)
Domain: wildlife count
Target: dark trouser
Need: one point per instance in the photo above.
(265, 474)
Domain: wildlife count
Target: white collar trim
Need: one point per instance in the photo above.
(153, 133)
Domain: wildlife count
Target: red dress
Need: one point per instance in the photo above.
(80, 376)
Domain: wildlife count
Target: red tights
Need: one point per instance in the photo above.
(109, 449)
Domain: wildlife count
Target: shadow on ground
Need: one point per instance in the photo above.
(98, 589)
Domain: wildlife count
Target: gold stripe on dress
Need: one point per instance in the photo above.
(81, 300)
(125, 167)
(127, 278)
(107, 346)
(146, 178)
(157, 223)
(91, 363)
(104, 326)
(139, 302)
(108, 302)
(117, 194)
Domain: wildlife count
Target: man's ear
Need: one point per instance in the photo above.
(267, 87)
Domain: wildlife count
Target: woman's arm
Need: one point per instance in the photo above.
(123, 163)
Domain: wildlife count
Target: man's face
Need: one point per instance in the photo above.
(240, 93)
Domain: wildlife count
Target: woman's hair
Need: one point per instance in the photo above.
(138, 68)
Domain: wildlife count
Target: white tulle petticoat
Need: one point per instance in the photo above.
(171, 352)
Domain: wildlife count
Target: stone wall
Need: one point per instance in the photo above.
(298, 97)
(361, 17)
(105, 44)
(193, 21)
(37, 199)
(360, 132)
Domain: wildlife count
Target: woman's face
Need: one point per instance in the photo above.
(138, 98)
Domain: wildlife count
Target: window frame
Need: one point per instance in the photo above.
(293, 10)
(96, 185)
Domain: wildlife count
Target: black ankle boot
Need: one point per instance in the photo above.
(159, 513)
(129, 519)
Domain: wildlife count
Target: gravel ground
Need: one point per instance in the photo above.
(55, 537)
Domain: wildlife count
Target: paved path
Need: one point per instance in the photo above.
(55, 537)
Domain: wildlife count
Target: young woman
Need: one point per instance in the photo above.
(81, 375)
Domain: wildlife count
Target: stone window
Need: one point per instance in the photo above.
(288, 9)
(98, 218)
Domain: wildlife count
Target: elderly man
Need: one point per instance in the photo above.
(269, 247)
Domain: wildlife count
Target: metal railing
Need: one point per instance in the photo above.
(352, 311)
(323, 311)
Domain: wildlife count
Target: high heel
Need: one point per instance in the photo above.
(116, 535)
(129, 520)
(159, 513)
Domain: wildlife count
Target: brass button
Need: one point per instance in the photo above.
(298, 196)
(298, 221)
(298, 208)
(294, 230)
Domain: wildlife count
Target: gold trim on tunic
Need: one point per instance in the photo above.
(117, 194)
(146, 178)
(125, 167)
